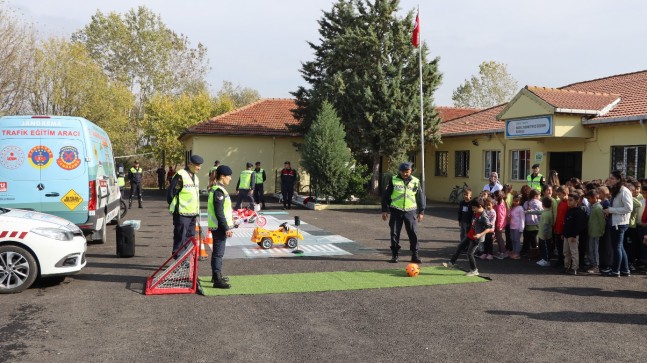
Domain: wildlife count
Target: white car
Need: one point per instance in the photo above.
(33, 245)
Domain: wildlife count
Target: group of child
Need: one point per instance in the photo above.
(571, 221)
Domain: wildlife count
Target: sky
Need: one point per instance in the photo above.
(261, 44)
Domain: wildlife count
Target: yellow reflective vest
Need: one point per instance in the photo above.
(188, 199)
(534, 183)
(403, 196)
(212, 220)
(245, 179)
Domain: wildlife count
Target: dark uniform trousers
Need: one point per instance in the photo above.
(396, 220)
(244, 195)
(287, 191)
(183, 229)
(219, 243)
(136, 189)
(259, 196)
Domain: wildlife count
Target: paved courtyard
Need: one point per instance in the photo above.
(525, 313)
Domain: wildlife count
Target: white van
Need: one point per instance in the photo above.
(60, 165)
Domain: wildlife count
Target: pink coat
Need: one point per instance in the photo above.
(501, 216)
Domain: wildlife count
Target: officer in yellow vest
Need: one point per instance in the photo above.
(135, 176)
(245, 186)
(183, 197)
(259, 193)
(405, 201)
(535, 180)
(221, 223)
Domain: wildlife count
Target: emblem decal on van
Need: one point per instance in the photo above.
(3, 186)
(72, 199)
(12, 157)
(40, 157)
(68, 158)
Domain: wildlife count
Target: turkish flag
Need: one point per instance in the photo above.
(415, 39)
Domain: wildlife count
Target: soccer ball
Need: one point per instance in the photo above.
(413, 270)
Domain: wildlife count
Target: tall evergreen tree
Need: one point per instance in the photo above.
(367, 68)
(325, 154)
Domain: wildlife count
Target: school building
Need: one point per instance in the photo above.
(261, 131)
(584, 130)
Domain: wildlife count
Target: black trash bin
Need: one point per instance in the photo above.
(125, 241)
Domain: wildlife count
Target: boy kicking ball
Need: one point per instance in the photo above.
(480, 227)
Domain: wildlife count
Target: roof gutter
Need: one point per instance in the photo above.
(610, 120)
(478, 132)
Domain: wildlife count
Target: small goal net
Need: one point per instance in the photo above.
(179, 274)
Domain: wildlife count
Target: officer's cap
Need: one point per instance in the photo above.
(224, 170)
(248, 164)
(196, 159)
(535, 166)
(405, 166)
(258, 163)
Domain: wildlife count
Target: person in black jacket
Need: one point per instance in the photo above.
(135, 175)
(220, 223)
(288, 177)
(465, 213)
(575, 219)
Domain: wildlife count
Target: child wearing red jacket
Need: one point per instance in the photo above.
(558, 228)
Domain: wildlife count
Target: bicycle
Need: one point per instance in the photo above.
(457, 193)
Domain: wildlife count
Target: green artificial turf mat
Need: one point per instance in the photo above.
(334, 281)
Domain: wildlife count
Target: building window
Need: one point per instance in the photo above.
(520, 164)
(442, 159)
(629, 159)
(462, 164)
(492, 163)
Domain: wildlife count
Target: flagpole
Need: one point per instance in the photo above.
(422, 130)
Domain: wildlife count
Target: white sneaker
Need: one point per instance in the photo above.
(545, 264)
(541, 262)
(472, 273)
(449, 265)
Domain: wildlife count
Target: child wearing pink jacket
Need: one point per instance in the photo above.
(501, 210)
(517, 220)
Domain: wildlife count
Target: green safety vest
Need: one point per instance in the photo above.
(245, 179)
(121, 181)
(188, 200)
(259, 176)
(135, 171)
(403, 196)
(534, 183)
(212, 220)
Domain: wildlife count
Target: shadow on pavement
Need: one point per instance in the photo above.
(578, 316)
(594, 291)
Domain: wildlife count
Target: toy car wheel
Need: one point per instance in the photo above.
(261, 221)
(291, 243)
(266, 243)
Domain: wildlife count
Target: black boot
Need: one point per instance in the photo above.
(263, 206)
(224, 278)
(394, 258)
(140, 203)
(220, 283)
(130, 203)
(415, 258)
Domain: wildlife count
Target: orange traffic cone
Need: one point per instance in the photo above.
(203, 252)
(209, 239)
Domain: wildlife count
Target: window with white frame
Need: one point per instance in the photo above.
(520, 164)
(491, 163)
(462, 164)
(629, 159)
(442, 159)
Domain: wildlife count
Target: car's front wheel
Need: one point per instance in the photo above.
(18, 269)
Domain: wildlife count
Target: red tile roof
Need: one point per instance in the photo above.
(449, 113)
(267, 117)
(591, 102)
(631, 86)
(475, 123)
